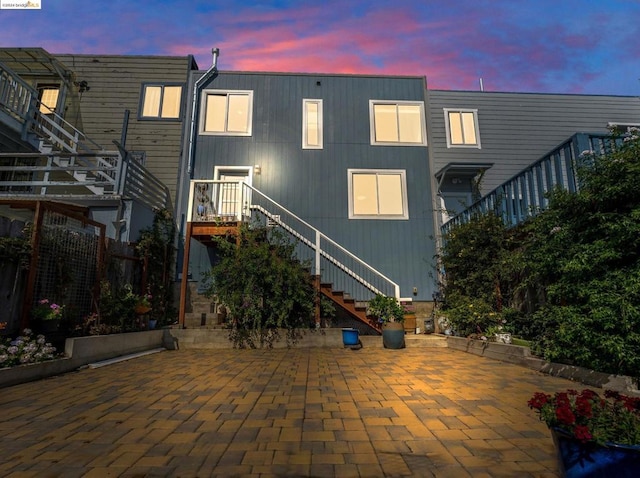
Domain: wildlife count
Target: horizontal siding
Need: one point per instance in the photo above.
(516, 129)
(115, 86)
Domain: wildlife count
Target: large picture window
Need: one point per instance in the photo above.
(397, 123)
(462, 128)
(377, 194)
(312, 124)
(161, 102)
(227, 113)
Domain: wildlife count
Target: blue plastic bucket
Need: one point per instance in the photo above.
(350, 337)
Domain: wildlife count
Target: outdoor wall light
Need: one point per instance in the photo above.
(257, 169)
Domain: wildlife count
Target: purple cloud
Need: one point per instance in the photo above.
(547, 46)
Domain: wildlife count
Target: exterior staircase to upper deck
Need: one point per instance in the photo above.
(63, 162)
(218, 208)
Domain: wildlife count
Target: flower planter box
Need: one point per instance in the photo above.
(579, 459)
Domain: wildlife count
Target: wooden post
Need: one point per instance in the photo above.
(27, 302)
(185, 274)
(316, 285)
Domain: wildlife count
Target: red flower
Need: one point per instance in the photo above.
(632, 404)
(538, 400)
(565, 415)
(582, 433)
(583, 407)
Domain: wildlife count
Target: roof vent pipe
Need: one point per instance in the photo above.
(216, 53)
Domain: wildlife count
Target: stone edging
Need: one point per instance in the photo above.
(521, 355)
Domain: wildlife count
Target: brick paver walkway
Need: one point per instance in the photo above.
(303, 412)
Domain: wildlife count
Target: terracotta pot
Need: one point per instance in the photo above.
(142, 309)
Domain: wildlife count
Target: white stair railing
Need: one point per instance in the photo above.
(214, 200)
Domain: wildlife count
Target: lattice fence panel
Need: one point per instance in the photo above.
(68, 261)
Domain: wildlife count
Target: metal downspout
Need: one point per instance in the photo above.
(213, 69)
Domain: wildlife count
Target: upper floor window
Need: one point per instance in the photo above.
(161, 101)
(227, 112)
(312, 124)
(397, 123)
(48, 96)
(377, 194)
(462, 128)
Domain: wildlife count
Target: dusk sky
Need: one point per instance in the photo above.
(556, 46)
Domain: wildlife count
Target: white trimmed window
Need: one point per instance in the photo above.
(396, 123)
(311, 124)
(227, 113)
(462, 128)
(377, 194)
(161, 101)
(48, 99)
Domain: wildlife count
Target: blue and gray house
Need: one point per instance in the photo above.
(363, 170)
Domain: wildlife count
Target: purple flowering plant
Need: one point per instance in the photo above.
(47, 310)
(25, 349)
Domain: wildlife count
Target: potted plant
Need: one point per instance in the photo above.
(594, 436)
(390, 314)
(49, 314)
(143, 304)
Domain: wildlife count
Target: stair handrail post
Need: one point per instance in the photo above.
(121, 171)
(317, 253)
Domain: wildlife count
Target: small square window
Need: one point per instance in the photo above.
(377, 194)
(462, 128)
(227, 113)
(161, 102)
(397, 123)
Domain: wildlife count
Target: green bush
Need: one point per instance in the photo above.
(570, 277)
(264, 287)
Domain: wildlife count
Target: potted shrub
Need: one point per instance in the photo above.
(390, 314)
(594, 436)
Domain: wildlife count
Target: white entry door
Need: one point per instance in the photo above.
(230, 193)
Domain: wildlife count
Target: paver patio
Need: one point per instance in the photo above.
(317, 412)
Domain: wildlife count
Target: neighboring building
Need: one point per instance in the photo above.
(126, 111)
(152, 89)
(500, 134)
(89, 150)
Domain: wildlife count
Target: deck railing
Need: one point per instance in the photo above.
(224, 201)
(69, 163)
(525, 194)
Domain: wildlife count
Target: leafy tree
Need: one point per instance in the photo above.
(156, 247)
(263, 285)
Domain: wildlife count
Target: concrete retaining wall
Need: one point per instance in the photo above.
(219, 338)
(522, 356)
(80, 351)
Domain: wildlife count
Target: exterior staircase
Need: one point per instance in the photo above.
(338, 269)
(66, 163)
(357, 310)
